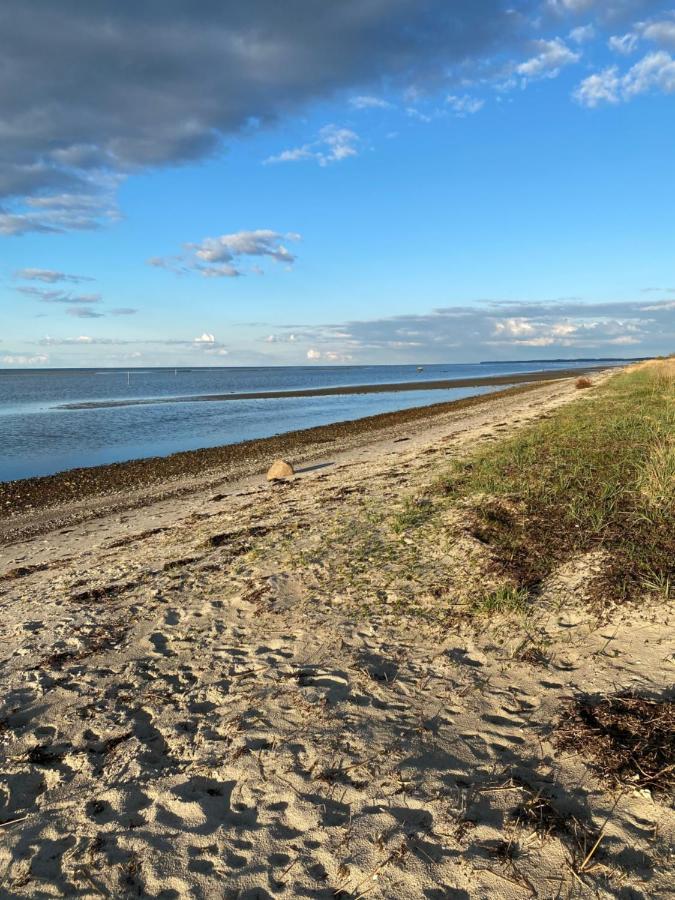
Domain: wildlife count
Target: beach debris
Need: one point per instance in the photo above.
(627, 737)
(280, 470)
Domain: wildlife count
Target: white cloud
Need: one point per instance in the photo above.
(464, 105)
(281, 339)
(228, 247)
(550, 57)
(82, 339)
(624, 44)
(603, 87)
(369, 102)
(333, 144)
(661, 31)
(13, 360)
(655, 71)
(207, 343)
(329, 355)
(514, 327)
(222, 256)
(582, 34)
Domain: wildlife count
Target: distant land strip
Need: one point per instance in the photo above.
(443, 384)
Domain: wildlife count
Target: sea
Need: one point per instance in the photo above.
(40, 437)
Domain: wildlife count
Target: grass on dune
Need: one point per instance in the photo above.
(597, 474)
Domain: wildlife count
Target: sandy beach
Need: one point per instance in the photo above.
(214, 686)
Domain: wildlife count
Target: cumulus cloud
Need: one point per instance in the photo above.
(660, 31)
(49, 276)
(601, 87)
(207, 343)
(313, 354)
(333, 144)
(582, 34)
(166, 82)
(654, 72)
(223, 256)
(550, 57)
(624, 44)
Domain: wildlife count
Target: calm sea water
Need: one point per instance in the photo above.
(38, 438)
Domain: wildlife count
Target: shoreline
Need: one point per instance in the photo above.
(40, 505)
(341, 390)
(245, 458)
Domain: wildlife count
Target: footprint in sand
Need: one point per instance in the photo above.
(161, 644)
(172, 617)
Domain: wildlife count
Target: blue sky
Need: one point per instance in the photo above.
(395, 183)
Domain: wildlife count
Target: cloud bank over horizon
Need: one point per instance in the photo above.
(501, 330)
(491, 330)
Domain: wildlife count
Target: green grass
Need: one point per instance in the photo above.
(598, 474)
(416, 511)
(505, 599)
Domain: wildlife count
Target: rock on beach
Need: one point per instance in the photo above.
(280, 470)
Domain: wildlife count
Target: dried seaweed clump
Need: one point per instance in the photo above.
(629, 740)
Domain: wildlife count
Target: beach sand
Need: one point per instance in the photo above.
(201, 698)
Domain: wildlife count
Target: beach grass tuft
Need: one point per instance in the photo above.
(505, 599)
(416, 511)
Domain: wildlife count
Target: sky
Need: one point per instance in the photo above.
(310, 183)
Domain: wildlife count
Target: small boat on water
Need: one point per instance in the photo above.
(420, 368)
